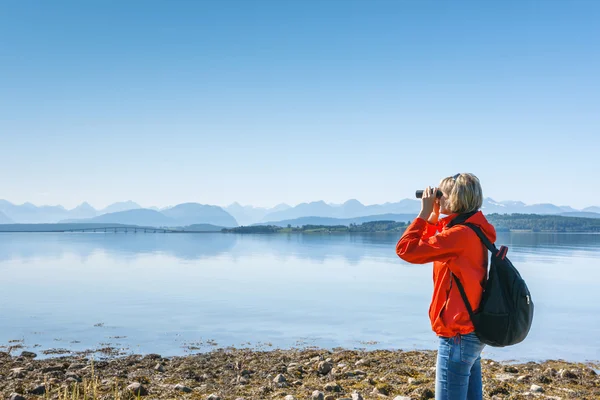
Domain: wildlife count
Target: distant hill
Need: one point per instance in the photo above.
(84, 210)
(234, 214)
(350, 209)
(341, 221)
(141, 217)
(120, 206)
(54, 227)
(4, 219)
(194, 213)
(246, 215)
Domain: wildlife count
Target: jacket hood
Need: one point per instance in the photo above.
(477, 219)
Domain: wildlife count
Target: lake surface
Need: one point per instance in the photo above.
(176, 294)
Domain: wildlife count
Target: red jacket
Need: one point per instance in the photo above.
(457, 249)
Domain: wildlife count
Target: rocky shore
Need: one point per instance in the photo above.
(230, 374)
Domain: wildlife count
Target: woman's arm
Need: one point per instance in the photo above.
(441, 247)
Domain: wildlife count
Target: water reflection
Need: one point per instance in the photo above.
(160, 290)
(353, 248)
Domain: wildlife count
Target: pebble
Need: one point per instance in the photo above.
(73, 375)
(159, 368)
(213, 397)
(536, 389)
(566, 374)
(317, 395)
(17, 373)
(289, 397)
(523, 378)
(356, 396)
(76, 366)
(332, 387)
(16, 396)
(324, 367)
(40, 389)
(402, 398)
(181, 388)
(279, 379)
(137, 389)
(511, 369)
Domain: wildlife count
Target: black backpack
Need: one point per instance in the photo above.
(506, 310)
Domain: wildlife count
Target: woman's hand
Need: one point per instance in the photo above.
(435, 215)
(428, 203)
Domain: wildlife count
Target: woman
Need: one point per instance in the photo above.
(455, 250)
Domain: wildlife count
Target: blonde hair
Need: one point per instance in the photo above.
(463, 191)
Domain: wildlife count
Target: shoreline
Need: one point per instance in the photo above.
(230, 374)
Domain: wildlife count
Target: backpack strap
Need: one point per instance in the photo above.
(461, 289)
(491, 247)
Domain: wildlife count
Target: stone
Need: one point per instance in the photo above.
(317, 395)
(524, 378)
(76, 366)
(137, 389)
(324, 367)
(504, 377)
(566, 374)
(536, 389)
(73, 376)
(279, 379)
(213, 397)
(332, 387)
(16, 396)
(39, 390)
(511, 369)
(51, 369)
(159, 368)
(402, 398)
(289, 397)
(17, 373)
(423, 393)
(411, 381)
(181, 388)
(356, 396)
(28, 354)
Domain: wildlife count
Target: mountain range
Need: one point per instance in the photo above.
(131, 213)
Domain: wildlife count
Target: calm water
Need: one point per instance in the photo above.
(174, 294)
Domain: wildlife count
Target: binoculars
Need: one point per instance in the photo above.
(419, 194)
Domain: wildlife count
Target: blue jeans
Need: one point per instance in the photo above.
(458, 370)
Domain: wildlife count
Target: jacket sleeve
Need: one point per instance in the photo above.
(414, 249)
(429, 231)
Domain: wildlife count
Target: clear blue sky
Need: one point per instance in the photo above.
(264, 102)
